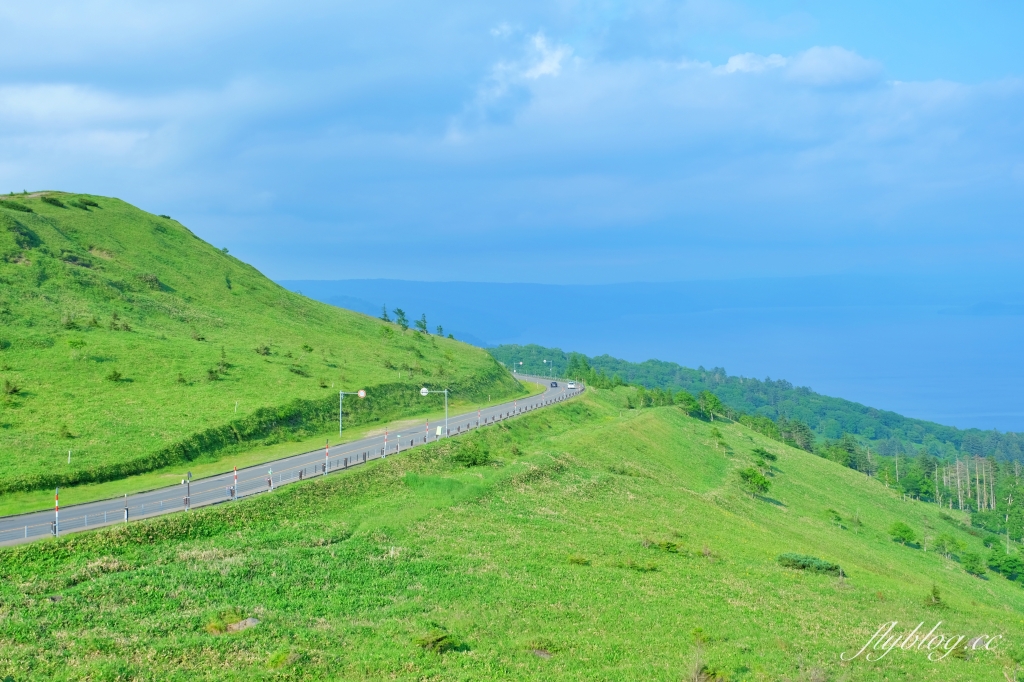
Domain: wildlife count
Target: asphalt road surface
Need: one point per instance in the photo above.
(265, 477)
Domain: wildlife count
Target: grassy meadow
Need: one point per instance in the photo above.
(583, 541)
(133, 344)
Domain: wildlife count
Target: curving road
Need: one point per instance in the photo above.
(265, 477)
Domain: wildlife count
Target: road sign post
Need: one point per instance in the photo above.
(426, 391)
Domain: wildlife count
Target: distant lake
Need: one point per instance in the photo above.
(946, 349)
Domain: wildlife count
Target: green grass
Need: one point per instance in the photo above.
(218, 463)
(591, 546)
(134, 344)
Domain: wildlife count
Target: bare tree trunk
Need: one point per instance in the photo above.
(977, 483)
(959, 490)
(992, 483)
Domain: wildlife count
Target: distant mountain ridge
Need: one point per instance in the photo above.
(887, 432)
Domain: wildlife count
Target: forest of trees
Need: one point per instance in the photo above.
(886, 433)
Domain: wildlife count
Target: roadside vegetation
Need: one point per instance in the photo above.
(586, 540)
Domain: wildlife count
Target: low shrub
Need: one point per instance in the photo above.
(578, 560)
(298, 370)
(151, 281)
(440, 641)
(53, 201)
(15, 206)
(934, 598)
(115, 376)
(753, 481)
(263, 349)
(764, 454)
(972, 563)
(11, 388)
(803, 562)
(471, 453)
(663, 546)
(902, 533)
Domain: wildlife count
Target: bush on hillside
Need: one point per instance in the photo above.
(471, 453)
(115, 376)
(88, 202)
(15, 206)
(53, 201)
(764, 454)
(804, 562)
(151, 281)
(948, 545)
(754, 482)
(440, 641)
(972, 563)
(902, 533)
(1010, 565)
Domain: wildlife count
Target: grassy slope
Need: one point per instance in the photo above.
(346, 573)
(65, 273)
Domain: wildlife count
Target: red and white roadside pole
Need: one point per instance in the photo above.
(56, 511)
(385, 442)
(478, 418)
(327, 456)
(426, 432)
(234, 489)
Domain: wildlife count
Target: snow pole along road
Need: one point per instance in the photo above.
(259, 478)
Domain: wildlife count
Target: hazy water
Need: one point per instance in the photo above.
(947, 349)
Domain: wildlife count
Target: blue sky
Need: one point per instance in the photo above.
(548, 142)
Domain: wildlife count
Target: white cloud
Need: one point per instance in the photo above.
(832, 66)
(749, 62)
(546, 59)
(502, 30)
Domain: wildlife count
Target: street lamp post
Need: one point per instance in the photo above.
(426, 391)
(341, 404)
(188, 491)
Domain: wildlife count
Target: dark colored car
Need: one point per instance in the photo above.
(554, 384)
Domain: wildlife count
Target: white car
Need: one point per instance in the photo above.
(571, 385)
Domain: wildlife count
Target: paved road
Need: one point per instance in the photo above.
(265, 477)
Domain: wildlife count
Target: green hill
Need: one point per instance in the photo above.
(588, 541)
(886, 432)
(132, 343)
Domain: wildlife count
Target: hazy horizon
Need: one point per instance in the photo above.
(940, 348)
